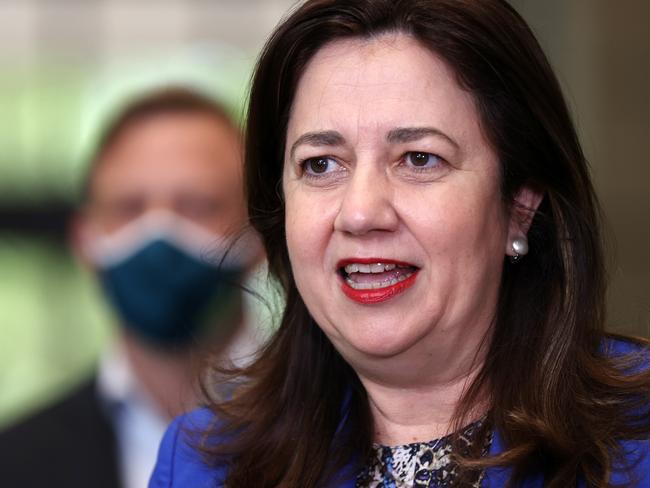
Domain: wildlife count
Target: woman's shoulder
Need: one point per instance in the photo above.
(615, 346)
(634, 468)
(635, 465)
(180, 462)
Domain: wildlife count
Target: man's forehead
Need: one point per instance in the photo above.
(173, 151)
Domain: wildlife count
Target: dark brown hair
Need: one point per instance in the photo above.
(559, 400)
(166, 100)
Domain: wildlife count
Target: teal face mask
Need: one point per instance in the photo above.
(163, 295)
(169, 290)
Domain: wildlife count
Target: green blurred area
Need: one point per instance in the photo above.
(52, 320)
(40, 122)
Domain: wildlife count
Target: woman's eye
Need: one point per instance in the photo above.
(422, 159)
(319, 166)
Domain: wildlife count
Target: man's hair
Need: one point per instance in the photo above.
(169, 100)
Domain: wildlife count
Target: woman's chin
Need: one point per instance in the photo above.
(372, 344)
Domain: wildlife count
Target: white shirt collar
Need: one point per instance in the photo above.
(137, 423)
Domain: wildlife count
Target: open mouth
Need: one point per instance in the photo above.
(375, 280)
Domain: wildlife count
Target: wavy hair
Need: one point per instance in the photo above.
(559, 401)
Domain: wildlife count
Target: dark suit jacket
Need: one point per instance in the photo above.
(70, 444)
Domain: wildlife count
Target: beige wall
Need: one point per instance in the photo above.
(601, 51)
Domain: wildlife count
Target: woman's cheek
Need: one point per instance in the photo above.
(300, 235)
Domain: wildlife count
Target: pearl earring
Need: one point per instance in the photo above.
(520, 248)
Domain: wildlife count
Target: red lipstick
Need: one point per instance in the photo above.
(381, 294)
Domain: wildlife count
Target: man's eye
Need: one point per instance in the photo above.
(196, 208)
(422, 159)
(126, 209)
(319, 165)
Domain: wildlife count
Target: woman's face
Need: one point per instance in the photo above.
(395, 226)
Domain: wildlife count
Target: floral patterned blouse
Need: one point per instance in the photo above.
(421, 464)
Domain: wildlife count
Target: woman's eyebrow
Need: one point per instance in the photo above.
(320, 138)
(410, 134)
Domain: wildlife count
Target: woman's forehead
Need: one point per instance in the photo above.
(362, 86)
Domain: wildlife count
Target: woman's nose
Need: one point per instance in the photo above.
(367, 204)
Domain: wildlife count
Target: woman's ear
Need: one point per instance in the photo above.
(524, 207)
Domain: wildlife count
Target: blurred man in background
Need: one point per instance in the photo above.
(162, 204)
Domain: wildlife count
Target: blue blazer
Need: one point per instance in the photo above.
(181, 466)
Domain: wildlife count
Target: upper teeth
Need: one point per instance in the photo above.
(368, 268)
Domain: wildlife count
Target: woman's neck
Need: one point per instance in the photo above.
(419, 404)
(404, 416)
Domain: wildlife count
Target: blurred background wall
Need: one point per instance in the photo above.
(601, 52)
(65, 63)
